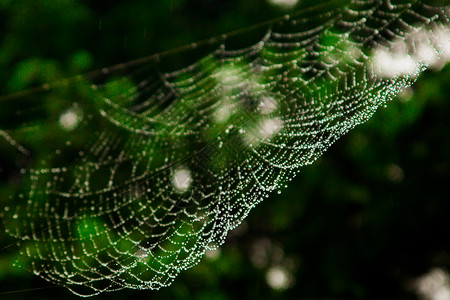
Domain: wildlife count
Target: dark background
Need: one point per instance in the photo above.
(363, 222)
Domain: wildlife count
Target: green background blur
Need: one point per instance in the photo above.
(362, 222)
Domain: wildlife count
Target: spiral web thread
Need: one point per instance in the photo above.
(164, 164)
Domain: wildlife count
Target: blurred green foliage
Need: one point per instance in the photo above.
(360, 223)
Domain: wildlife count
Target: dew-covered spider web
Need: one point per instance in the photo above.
(160, 159)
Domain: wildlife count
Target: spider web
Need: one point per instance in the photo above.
(166, 161)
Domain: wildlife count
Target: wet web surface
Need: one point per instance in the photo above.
(157, 166)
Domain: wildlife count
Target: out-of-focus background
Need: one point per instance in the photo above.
(368, 220)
